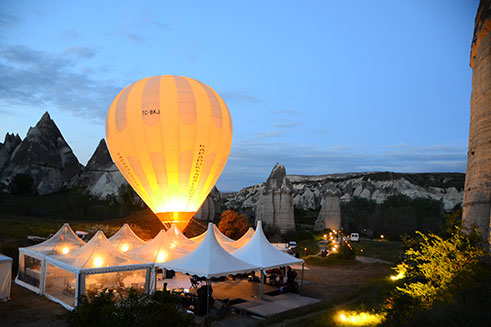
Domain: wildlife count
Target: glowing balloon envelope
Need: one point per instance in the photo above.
(170, 136)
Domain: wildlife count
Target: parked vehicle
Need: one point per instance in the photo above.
(285, 247)
(355, 237)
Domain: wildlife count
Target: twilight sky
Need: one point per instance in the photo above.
(319, 86)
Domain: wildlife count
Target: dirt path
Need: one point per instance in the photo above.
(27, 309)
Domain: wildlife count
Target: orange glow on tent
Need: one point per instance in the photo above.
(65, 250)
(170, 137)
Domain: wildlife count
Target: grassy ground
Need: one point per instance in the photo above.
(385, 250)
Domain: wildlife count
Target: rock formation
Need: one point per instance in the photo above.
(7, 147)
(377, 186)
(210, 207)
(330, 214)
(101, 175)
(45, 156)
(275, 202)
(477, 196)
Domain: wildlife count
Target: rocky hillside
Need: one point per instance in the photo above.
(308, 191)
(45, 155)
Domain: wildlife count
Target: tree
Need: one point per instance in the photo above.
(233, 224)
(79, 199)
(434, 271)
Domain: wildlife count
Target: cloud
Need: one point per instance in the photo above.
(288, 124)
(81, 52)
(52, 80)
(251, 162)
(70, 34)
(288, 112)
(239, 97)
(7, 19)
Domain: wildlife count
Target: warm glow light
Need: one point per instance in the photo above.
(170, 137)
(125, 247)
(161, 256)
(352, 318)
(398, 276)
(98, 262)
(65, 250)
(334, 249)
(172, 245)
(381, 236)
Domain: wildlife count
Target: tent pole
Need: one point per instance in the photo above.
(261, 290)
(207, 296)
(303, 264)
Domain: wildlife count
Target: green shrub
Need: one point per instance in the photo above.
(159, 309)
(436, 273)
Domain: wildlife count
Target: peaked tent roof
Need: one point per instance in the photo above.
(225, 241)
(64, 241)
(208, 260)
(126, 239)
(175, 235)
(244, 238)
(162, 248)
(259, 252)
(97, 253)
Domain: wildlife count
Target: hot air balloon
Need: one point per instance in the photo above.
(170, 136)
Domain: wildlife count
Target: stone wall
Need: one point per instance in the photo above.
(477, 193)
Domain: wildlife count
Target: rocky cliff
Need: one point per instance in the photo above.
(274, 204)
(330, 213)
(378, 186)
(477, 197)
(101, 175)
(7, 147)
(45, 156)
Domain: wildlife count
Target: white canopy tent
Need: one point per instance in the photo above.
(90, 269)
(175, 235)
(259, 252)
(226, 242)
(208, 260)
(160, 249)
(32, 263)
(243, 239)
(5, 277)
(126, 239)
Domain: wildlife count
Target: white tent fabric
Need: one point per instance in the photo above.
(225, 241)
(162, 248)
(32, 259)
(90, 269)
(259, 252)
(5, 277)
(126, 239)
(175, 235)
(208, 260)
(243, 239)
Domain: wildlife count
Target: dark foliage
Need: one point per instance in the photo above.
(396, 216)
(233, 224)
(22, 184)
(159, 309)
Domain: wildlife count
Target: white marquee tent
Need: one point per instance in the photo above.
(226, 242)
(32, 259)
(5, 277)
(176, 236)
(90, 269)
(208, 260)
(160, 249)
(243, 239)
(259, 252)
(126, 239)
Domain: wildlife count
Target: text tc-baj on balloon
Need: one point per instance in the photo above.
(170, 136)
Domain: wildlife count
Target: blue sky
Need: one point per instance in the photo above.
(319, 86)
